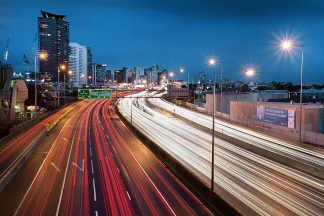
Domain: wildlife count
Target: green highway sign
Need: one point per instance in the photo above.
(94, 93)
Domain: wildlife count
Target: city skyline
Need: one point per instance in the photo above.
(176, 35)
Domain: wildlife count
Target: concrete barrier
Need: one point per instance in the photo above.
(15, 167)
(209, 198)
(23, 157)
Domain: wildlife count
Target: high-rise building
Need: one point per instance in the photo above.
(78, 64)
(148, 75)
(101, 75)
(152, 74)
(109, 76)
(155, 74)
(53, 39)
(137, 70)
(163, 77)
(130, 75)
(120, 75)
(89, 65)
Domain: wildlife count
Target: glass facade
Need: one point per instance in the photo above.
(53, 39)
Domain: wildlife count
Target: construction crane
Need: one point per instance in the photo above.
(5, 56)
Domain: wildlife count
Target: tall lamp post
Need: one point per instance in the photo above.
(70, 72)
(171, 75)
(221, 90)
(182, 70)
(287, 45)
(212, 63)
(41, 56)
(62, 67)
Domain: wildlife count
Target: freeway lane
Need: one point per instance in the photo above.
(155, 190)
(254, 184)
(96, 166)
(42, 195)
(14, 150)
(314, 157)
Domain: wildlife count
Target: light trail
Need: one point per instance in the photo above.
(267, 187)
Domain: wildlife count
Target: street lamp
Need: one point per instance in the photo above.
(212, 63)
(41, 56)
(62, 67)
(249, 72)
(182, 71)
(287, 45)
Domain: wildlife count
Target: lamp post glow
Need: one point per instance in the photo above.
(249, 72)
(212, 63)
(287, 45)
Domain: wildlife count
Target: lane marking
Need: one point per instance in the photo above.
(128, 195)
(90, 152)
(67, 166)
(53, 164)
(96, 213)
(92, 167)
(148, 177)
(125, 172)
(81, 169)
(40, 168)
(94, 190)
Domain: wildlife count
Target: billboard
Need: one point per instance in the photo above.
(94, 93)
(282, 117)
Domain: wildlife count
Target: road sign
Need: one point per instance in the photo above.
(94, 93)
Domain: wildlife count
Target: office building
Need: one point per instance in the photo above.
(152, 74)
(137, 71)
(120, 75)
(78, 65)
(53, 40)
(163, 77)
(101, 74)
(89, 66)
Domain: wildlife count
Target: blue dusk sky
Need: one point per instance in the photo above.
(175, 34)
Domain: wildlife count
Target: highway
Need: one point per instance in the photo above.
(11, 152)
(96, 166)
(252, 183)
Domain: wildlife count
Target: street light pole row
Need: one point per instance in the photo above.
(212, 62)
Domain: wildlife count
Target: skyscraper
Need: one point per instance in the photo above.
(120, 75)
(101, 74)
(137, 70)
(90, 65)
(53, 39)
(154, 73)
(78, 65)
